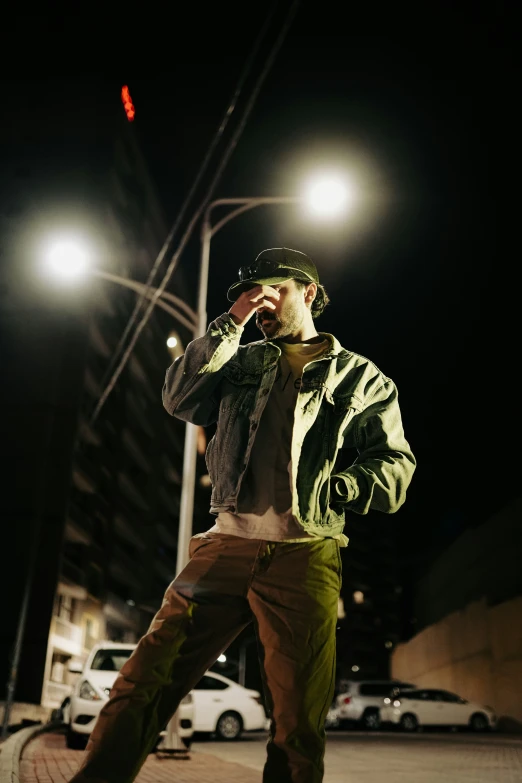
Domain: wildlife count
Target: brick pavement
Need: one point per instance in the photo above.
(47, 760)
(350, 758)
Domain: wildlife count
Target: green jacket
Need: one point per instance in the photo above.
(344, 402)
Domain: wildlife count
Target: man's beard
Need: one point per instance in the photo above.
(271, 328)
(279, 327)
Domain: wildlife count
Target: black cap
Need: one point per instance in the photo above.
(274, 266)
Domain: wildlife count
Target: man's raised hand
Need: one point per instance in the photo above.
(256, 299)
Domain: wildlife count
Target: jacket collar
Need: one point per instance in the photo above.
(336, 349)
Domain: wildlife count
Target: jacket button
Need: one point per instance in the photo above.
(264, 392)
(254, 425)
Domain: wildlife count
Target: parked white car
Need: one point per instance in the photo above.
(216, 704)
(223, 707)
(92, 691)
(431, 707)
(360, 702)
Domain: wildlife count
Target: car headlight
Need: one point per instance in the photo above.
(87, 692)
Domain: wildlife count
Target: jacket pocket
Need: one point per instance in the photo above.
(238, 389)
(344, 411)
(238, 376)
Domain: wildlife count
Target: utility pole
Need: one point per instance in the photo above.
(17, 648)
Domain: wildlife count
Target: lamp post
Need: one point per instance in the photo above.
(208, 230)
(326, 196)
(189, 320)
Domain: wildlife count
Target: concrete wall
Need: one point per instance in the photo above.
(475, 652)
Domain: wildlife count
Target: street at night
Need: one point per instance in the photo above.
(259, 329)
(351, 757)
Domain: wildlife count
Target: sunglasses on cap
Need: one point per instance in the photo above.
(266, 268)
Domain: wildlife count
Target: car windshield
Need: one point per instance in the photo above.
(110, 660)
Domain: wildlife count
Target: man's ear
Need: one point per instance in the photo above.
(310, 294)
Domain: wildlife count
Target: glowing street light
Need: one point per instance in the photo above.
(328, 196)
(222, 658)
(68, 258)
(172, 342)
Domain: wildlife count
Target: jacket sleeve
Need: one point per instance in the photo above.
(191, 388)
(382, 472)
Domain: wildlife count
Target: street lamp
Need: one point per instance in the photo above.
(328, 196)
(69, 259)
(188, 482)
(325, 196)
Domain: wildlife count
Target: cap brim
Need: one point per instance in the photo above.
(235, 291)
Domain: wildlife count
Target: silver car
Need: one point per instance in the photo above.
(359, 703)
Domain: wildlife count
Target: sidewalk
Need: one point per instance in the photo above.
(350, 758)
(47, 760)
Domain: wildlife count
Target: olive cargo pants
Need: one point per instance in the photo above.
(290, 591)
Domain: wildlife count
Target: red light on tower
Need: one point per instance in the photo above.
(128, 105)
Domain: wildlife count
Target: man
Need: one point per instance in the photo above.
(284, 407)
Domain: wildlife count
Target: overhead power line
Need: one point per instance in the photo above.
(210, 192)
(190, 195)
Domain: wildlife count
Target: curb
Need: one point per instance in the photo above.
(11, 750)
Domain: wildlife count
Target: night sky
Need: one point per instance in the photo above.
(416, 105)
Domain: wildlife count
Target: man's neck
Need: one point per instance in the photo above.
(299, 339)
(306, 333)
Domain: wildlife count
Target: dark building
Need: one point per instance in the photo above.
(90, 513)
(371, 595)
(482, 563)
(468, 618)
